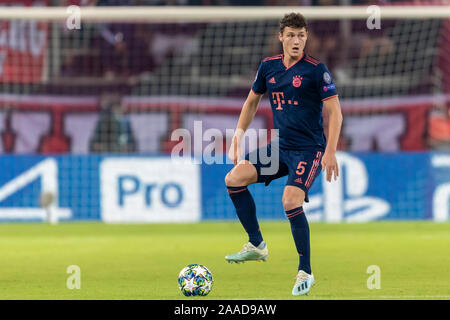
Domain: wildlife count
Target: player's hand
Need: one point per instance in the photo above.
(235, 151)
(330, 164)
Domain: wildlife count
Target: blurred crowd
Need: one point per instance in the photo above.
(127, 50)
(156, 57)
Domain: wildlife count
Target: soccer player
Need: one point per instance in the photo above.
(298, 86)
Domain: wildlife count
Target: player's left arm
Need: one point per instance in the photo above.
(329, 162)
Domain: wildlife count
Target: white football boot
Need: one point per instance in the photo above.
(249, 253)
(303, 283)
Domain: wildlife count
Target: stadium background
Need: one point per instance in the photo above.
(86, 115)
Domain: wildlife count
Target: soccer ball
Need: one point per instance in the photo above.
(195, 280)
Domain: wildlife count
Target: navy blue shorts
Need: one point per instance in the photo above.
(301, 167)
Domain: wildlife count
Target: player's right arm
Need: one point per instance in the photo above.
(248, 113)
(245, 119)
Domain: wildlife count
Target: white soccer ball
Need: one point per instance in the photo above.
(195, 280)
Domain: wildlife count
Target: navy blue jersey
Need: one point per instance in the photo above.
(296, 95)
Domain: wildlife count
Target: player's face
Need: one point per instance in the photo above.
(294, 41)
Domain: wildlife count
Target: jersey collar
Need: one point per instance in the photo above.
(301, 58)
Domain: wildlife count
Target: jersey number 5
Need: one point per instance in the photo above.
(301, 167)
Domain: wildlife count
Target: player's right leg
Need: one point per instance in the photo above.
(237, 181)
(261, 165)
(244, 174)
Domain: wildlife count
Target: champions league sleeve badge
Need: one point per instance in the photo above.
(327, 77)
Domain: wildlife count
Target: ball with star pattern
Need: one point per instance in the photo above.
(195, 280)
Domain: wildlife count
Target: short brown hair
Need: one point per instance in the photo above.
(293, 20)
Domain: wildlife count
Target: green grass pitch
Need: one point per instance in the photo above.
(143, 261)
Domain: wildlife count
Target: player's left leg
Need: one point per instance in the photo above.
(293, 206)
(304, 167)
(293, 198)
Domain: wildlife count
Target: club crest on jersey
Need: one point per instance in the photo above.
(297, 81)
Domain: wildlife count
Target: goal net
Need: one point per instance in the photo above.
(121, 80)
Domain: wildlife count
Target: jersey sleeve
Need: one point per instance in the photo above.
(325, 83)
(259, 85)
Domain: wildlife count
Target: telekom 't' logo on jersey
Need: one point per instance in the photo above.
(278, 99)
